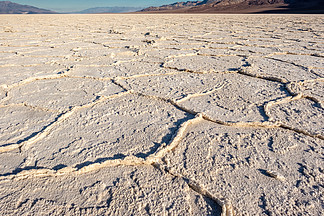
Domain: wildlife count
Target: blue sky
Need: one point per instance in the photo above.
(77, 5)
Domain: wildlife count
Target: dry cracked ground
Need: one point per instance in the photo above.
(161, 114)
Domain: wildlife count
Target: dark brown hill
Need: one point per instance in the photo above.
(174, 6)
(241, 6)
(7, 7)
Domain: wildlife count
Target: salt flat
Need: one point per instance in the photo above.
(161, 114)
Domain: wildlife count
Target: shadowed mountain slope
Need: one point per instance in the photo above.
(241, 6)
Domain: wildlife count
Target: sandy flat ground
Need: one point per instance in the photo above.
(161, 114)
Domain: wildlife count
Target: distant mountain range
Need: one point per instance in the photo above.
(203, 6)
(7, 7)
(109, 10)
(174, 6)
(240, 6)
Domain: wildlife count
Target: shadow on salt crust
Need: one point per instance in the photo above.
(128, 125)
(231, 162)
(20, 123)
(110, 191)
(61, 93)
(302, 114)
